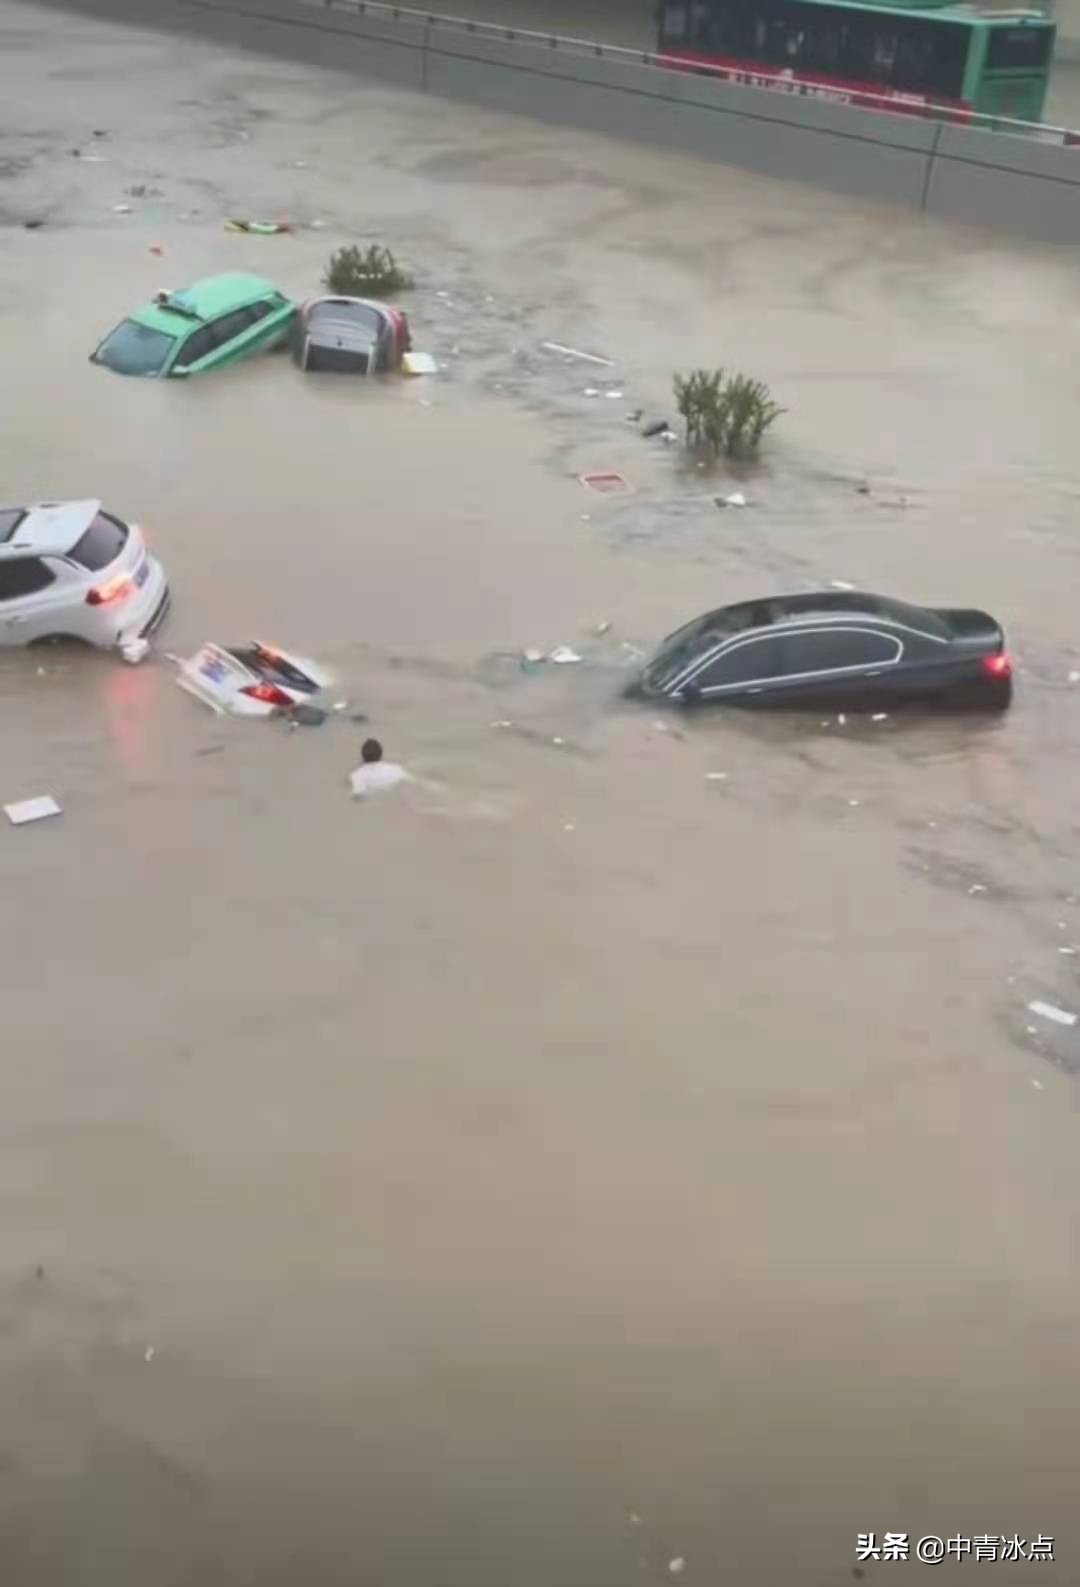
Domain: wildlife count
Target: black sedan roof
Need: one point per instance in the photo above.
(854, 604)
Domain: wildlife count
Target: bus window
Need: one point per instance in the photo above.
(673, 25)
(1019, 49)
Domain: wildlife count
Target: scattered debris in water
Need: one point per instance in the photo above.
(607, 484)
(259, 228)
(1059, 1016)
(570, 352)
(25, 810)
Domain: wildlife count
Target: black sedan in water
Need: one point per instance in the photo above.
(832, 647)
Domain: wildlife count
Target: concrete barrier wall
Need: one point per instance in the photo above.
(778, 134)
(996, 180)
(993, 179)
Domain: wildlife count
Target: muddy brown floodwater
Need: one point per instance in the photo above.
(581, 1164)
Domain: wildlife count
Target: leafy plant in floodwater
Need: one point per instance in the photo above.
(697, 396)
(749, 411)
(371, 272)
(724, 415)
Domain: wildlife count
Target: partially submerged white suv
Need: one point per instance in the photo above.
(70, 570)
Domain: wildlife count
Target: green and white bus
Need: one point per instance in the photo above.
(960, 57)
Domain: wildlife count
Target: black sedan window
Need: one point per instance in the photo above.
(696, 639)
(753, 661)
(830, 650)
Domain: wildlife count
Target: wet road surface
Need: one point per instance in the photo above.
(575, 1164)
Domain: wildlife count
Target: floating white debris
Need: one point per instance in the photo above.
(1069, 951)
(880, 716)
(591, 391)
(419, 364)
(558, 741)
(563, 656)
(569, 826)
(716, 776)
(677, 1565)
(149, 1356)
(25, 810)
(841, 720)
(533, 655)
(1074, 677)
(841, 584)
(574, 352)
(854, 803)
(736, 499)
(503, 723)
(1060, 1016)
(602, 628)
(1037, 1084)
(977, 887)
(615, 395)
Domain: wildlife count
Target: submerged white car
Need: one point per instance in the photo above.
(71, 570)
(251, 680)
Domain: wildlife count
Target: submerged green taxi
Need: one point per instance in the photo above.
(204, 326)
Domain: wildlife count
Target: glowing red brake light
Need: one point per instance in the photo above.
(999, 666)
(269, 694)
(113, 590)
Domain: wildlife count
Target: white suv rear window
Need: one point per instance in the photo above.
(101, 544)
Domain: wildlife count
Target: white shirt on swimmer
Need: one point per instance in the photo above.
(375, 775)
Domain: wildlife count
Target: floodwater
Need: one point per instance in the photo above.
(576, 1164)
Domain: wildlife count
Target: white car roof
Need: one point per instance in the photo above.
(52, 526)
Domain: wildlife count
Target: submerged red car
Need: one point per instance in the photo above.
(353, 336)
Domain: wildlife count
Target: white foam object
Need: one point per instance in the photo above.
(32, 810)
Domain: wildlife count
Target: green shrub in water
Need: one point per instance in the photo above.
(372, 272)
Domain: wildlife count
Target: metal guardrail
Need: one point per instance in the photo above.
(432, 22)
